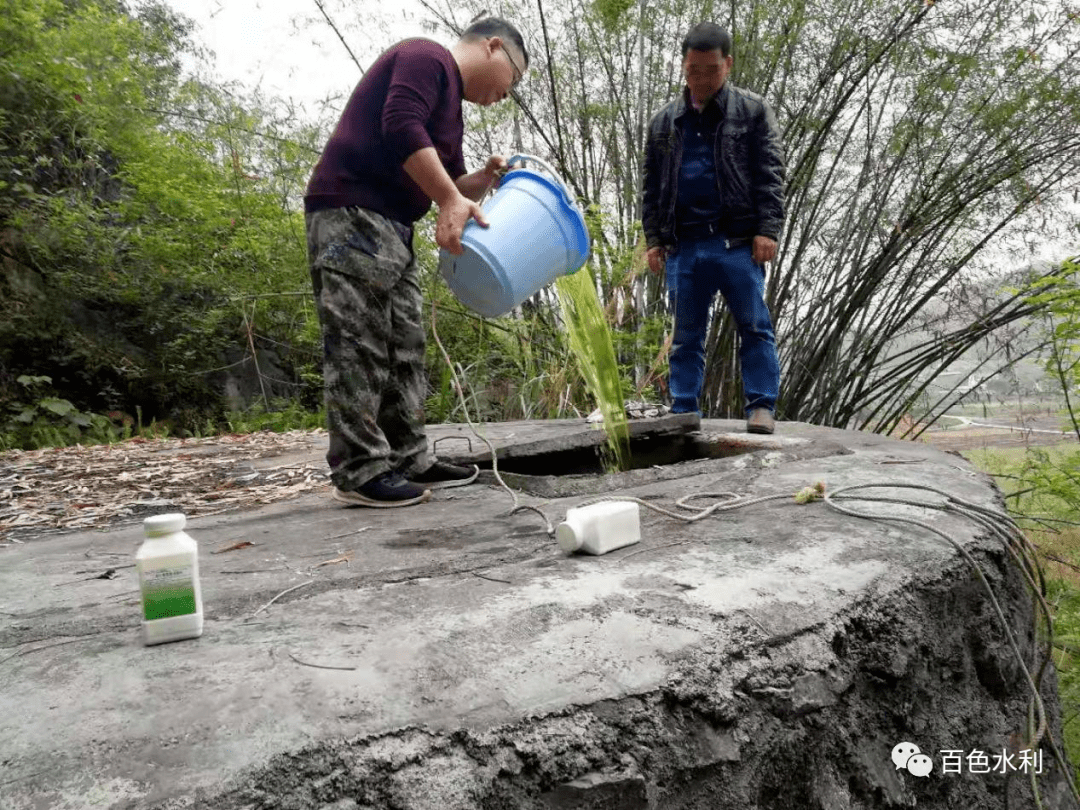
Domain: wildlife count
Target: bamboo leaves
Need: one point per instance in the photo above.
(918, 135)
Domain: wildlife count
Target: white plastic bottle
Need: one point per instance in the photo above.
(168, 566)
(600, 527)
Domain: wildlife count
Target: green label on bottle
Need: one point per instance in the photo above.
(168, 592)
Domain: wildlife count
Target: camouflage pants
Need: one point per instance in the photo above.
(367, 292)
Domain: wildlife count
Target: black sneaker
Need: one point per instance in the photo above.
(441, 475)
(383, 492)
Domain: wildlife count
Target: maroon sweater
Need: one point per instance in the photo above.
(409, 99)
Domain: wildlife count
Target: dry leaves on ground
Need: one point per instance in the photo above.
(92, 487)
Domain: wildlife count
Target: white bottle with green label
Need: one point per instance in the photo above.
(168, 566)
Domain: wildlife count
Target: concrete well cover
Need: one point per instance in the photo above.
(450, 656)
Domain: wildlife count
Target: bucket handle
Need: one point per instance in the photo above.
(543, 164)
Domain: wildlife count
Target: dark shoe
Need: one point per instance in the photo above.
(760, 421)
(383, 492)
(441, 475)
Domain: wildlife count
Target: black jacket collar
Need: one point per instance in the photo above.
(682, 103)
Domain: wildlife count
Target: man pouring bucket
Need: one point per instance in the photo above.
(396, 149)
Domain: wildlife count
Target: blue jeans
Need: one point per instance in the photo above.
(700, 269)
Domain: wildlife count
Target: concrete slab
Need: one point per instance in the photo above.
(767, 657)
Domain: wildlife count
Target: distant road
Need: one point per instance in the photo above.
(965, 422)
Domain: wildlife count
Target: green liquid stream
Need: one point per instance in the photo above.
(590, 341)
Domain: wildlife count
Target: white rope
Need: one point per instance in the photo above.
(1005, 529)
(518, 506)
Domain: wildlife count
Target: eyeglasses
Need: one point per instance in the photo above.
(519, 74)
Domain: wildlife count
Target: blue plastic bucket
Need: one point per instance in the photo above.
(535, 234)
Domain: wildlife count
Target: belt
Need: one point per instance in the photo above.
(701, 230)
(403, 231)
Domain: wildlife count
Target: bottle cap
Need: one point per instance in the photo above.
(158, 525)
(569, 540)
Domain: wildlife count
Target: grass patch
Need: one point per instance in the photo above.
(1009, 460)
(56, 423)
(281, 417)
(1064, 596)
(1048, 514)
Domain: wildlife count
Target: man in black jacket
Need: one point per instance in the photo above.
(712, 211)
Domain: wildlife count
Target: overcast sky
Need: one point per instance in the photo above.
(287, 49)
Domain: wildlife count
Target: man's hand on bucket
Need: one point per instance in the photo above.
(496, 167)
(453, 216)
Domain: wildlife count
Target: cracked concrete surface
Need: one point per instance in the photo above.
(768, 658)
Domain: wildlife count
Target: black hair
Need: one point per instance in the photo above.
(707, 36)
(496, 27)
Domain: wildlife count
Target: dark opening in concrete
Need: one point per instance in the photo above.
(647, 451)
(537, 459)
